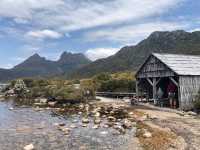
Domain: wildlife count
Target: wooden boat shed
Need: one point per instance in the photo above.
(160, 69)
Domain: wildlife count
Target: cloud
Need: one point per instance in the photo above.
(44, 34)
(195, 29)
(99, 53)
(70, 15)
(131, 33)
(6, 66)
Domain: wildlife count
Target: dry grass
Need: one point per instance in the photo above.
(160, 140)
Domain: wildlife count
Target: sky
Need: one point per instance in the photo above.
(97, 28)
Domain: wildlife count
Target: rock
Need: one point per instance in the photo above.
(97, 114)
(131, 113)
(11, 108)
(39, 104)
(74, 121)
(61, 124)
(111, 118)
(109, 124)
(95, 127)
(105, 126)
(147, 134)
(97, 120)
(73, 126)
(29, 147)
(127, 124)
(153, 117)
(38, 109)
(192, 113)
(85, 120)
(84, 125)
(116, 132)
(81, 106)
(181, 113)
(66, 130)
(43, 100)
(120, 129)
(143, 118)
(52, 104)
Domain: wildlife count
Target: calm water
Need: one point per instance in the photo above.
(23, 126)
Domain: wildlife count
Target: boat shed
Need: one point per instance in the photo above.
(161, 69)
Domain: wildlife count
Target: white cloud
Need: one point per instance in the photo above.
(70, 15)
(44, 34)
(131, 33)
(99, 53)
(195, 29)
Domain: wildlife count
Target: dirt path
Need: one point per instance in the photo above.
(186, 127)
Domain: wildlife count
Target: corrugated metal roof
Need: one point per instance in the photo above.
(181, 64)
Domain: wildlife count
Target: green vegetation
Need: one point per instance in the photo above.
(118, 82)
(79, 90)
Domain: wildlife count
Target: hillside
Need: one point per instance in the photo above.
(37, 66)
(131, 57)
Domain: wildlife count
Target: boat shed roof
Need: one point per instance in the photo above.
(181, 64)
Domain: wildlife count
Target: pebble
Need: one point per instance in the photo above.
(73, 126)
(97, 120)
(11, 108)
(147, 135)
(52, 104)
(95, 127)
(84, 125)
(85, 120)
(29, 147)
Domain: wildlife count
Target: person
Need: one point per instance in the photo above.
(171, 90)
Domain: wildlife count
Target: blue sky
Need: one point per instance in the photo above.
(97, 28)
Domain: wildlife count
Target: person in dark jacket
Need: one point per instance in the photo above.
(171, 90)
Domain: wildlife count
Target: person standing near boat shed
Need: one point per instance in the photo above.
(171, 90)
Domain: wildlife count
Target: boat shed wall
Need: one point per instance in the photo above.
(153, 67)
(189, 87)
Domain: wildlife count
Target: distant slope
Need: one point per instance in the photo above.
(131, 57)
(36, 66)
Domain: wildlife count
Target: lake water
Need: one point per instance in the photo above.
(22, 126)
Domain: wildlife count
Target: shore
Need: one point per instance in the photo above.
(146, 127)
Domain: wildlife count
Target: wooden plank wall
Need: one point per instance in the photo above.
(154, 68)
(189, 87)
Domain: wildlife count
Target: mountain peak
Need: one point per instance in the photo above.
(168, 34)
(35, 57)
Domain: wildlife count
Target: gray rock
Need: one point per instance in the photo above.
(147, 134)
(85, 120)
(29, 147)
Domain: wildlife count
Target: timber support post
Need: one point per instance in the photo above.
(154, 88)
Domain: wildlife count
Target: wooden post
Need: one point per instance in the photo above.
(154, 88)
(136, 88)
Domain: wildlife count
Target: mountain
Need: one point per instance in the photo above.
(37, 66)
(69, 61)
(131, 57)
